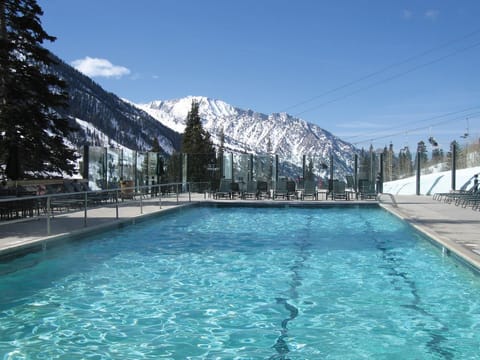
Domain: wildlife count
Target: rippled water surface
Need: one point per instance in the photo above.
(243, 283)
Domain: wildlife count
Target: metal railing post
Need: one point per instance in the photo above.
(116, 204)
(85, 210)
(189, 193)
(48, 216)
(177, 193)
(141, 204)
(160, 197)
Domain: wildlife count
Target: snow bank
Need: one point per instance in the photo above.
(432, 183)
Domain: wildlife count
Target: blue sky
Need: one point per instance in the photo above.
(368, 71)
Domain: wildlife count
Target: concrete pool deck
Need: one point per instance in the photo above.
(455, 228)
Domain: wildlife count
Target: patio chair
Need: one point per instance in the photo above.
(235, 190)
(280, 189)
(251, 191)
(291, 189)
(366, 190)
(224, 190)
(339, 191)
(286, 189)
(309, 190)
(262, 190)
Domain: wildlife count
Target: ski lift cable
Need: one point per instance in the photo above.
(393, 77)
(418, 121)
(384, 69)
(409, 130)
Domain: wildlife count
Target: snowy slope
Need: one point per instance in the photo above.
(247, 131)
(432, 183)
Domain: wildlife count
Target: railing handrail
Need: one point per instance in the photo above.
(82, 200)
(394, 202)
(76, 193)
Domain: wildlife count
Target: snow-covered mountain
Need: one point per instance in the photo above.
(247, 131)
(105, 120)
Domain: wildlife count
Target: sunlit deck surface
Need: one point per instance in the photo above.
(454, 228)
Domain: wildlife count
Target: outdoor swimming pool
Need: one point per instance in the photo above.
(243, 283)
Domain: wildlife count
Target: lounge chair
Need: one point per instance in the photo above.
(262, 190)
(309, 190)
(225, 189)
(285, 190)
(235, 190)
(251, 191)
(291, 189)
(366, 190)
(339, 192)
(280, 189)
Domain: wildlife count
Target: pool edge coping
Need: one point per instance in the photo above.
(448, 246)
(33, 245)
(466, 256)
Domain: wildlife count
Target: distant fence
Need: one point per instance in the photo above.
(111, 168)
(28, 206)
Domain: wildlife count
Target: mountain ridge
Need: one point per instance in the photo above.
(248, 131)
(120, 122)
(117, 119)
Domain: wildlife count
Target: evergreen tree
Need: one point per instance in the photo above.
(405, 162)
(155, 146)
(31, 130)
(421, 155)
(198, 145)
(219, 165)
(174, 168)
(309, 174)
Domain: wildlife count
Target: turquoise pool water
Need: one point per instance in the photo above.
(243, 283)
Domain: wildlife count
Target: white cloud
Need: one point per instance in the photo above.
(432, 14)
(99, 67)
(407, 14)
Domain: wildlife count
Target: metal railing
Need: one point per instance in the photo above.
(14, 209)
(392, 198)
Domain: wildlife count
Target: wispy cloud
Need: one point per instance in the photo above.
(99, 67)
(407, 14)
(432, 14)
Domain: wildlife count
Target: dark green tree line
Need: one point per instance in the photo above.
(31, 130)
(198, 145)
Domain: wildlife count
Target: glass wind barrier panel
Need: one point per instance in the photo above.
(199, 170)
(173, 168)
(97, 168)
(113, 168)
(141, 174)
(128, 165)
(242, 171)
(152, 168)
(198, 167)
(227, 166)
(316, 170)
(265, 169)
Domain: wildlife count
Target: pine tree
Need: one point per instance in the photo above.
(219, 166)
(31, 130)
(155, 146)
(198, 145)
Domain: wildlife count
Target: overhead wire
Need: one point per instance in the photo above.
(390, 78)
(412, 69)
(422, 121)
(384, 69)
(380, 137)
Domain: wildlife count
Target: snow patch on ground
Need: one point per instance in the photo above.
(432, 183)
